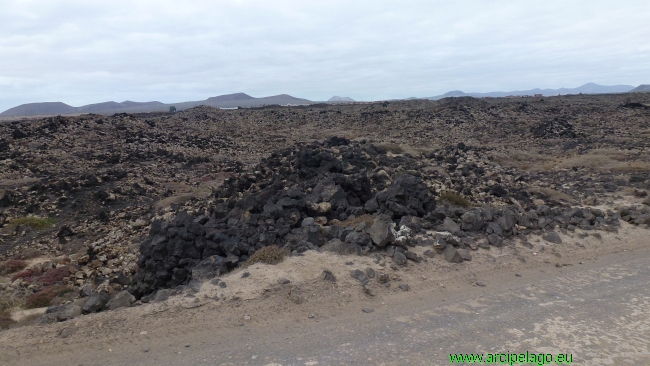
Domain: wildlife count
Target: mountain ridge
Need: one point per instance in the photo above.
(221, 101)
(589, 88)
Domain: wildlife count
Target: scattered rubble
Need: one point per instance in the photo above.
(131, 204)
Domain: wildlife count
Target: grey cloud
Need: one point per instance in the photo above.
(83, 52)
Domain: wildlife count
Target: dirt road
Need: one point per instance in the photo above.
(596, 308)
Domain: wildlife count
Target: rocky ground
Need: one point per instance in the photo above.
(100, 212)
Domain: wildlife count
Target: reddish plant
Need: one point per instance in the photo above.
(40, 299)
(11, 266)
(54, 275)
(28, 275)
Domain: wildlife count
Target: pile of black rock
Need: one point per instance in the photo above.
(343, 197)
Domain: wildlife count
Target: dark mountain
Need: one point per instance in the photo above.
(589, 88)
(221, 101)
(643, 88)
(126, 106)
(34, 109)
(229, 98)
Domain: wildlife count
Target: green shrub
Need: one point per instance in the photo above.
(11, 266)
(454, 199)
(268, 255)
(36, 223)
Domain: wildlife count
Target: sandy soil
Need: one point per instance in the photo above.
(261, 299)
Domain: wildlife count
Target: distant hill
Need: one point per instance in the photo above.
(336, 99)
(589, 88)
(221, 101)
(643, 88)
(120, 107)
(33, 109)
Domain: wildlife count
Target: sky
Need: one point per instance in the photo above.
(81, 52)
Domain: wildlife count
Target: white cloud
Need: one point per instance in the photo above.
(84, 52)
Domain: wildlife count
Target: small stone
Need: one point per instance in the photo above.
(367, 310)
(358, 275)
(399, 259)
(284, 281)
(552, 237)
(145, 350)
(222, 285)
(413, 256)
(247, 317)
(296, 295)
(245, 274)
(451, 255)
(328, 276)
(383, 277)
(495, 240)
(428, 253)
(404, 286)
(187, 345)
(368, 291)
(311, 316)
(464, 253)
(370, 272)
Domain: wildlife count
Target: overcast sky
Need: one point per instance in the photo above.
(81, 52)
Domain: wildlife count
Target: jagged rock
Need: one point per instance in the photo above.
(122, 299)
(328, 276)
(495, 240)
(360, 276)
(552, 237)
(472, 220)
(451, 255)
(96, 302)
(399, 259)
(340, 247)
(60, 313)
(382, 231)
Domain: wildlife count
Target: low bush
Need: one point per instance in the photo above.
(36, 223)
(5, 319)
(267, 255)
(454, 199)
(28, 275)
(39, 299)
(54, 275)
(12, 266)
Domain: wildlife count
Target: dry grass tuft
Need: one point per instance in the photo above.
(44, 297)
(5, 319)
(523, 160)
(354, 221)
(390, 147)
(12, 266)
(454, 198)
(605, 160)
(553, 195)
(267, 255)
(36, 223)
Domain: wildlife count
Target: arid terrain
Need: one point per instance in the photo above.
(120, 233)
